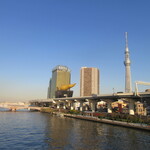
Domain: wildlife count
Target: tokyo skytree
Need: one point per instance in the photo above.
(127, 63)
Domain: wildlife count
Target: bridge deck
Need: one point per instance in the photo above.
(112, 97)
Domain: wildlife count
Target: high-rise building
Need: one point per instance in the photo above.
(127, 63)
(60, 76)
(89, 81)
(49, 88)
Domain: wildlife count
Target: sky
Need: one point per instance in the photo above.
(37, 35)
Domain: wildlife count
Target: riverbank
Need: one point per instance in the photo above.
(84, 116)
(112, 122)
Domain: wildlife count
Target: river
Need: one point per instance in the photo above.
(41, 131)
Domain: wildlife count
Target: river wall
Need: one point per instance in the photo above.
(112, 122)
(140, 126)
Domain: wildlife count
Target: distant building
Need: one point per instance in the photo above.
(121, 102)
(140, 109)
(120, 106)
(60, 76)
(49, 88)
(89, 81)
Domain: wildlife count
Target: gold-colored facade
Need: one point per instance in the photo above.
(66, 87)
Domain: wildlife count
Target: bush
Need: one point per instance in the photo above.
(126, 118)
(74, 112)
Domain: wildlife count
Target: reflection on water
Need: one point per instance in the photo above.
(78, 134)
(34, 130)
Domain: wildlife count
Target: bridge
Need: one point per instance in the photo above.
(18, 106)
(68, 102)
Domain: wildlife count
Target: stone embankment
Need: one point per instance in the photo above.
(140, 126)
(112, 122)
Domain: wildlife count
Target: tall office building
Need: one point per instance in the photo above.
(60, 76)
(89, 81)
(127, 64)
(49, 88)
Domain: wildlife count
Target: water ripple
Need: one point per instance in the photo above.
(37, 131)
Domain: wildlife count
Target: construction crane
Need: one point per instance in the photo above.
(141, 83)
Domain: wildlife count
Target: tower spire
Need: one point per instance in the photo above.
(127, 63)
(126, 38)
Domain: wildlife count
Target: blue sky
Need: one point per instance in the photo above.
(37, 35)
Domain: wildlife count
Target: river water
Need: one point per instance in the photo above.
(41, 131)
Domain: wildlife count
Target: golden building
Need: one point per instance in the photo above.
(60, 76)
